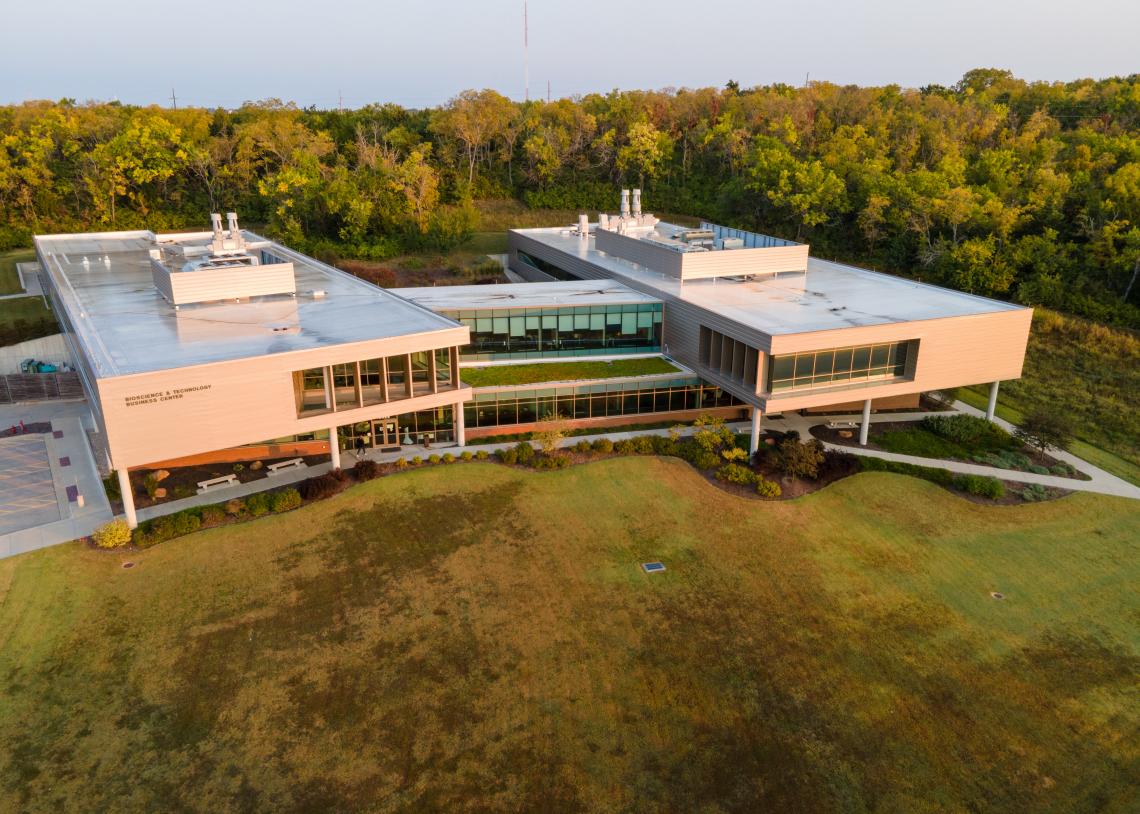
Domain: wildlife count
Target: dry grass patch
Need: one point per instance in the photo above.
(482, 638)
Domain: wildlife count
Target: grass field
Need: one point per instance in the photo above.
(1089, 372)
(25, 318)
(563, 371)
(9, 279)
(479, 638)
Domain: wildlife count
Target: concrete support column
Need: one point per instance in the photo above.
(991, 408)
(128, 498)
(460, 428)
(754, 443)
(865, 427)
(334, 447)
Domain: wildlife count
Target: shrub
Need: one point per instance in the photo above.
(643, 444)
(433, 459)
(366, 469)
(625, 447)
(550, 462)
(603, 445)
(582, 446)
(967, 430)
(239, 468)
(525, 452)
(447, 458)
(675, 432)
(285, 500)
(320, 486)
(235, 507)
(801, 460)
(552, 431)
(980, 485)
(509, 456)
(837, 465)
(186, 522)
(417, 460)
(705, 460)
(736, 473)
(111, 486)
(1062, 469)
(339, 475)
(663, 445)
(482, 455)
(150, 484)
(257, 505)
(734, 454)
(213, 515)
(1037, 469)
(768, 488)
(401, 463)
(466, 455)
(115, 534)
(940, 476)
(1034, 492)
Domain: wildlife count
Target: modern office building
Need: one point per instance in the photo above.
(224, 346)
(190, 344)
(572, 321)
(778, 329)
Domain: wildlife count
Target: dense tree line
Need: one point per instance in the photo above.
(995, 185)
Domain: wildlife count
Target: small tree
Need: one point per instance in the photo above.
(801, 460)
(552, 430)
(1041, 430)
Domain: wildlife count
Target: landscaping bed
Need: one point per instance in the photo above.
(182, 481)
(989, 446)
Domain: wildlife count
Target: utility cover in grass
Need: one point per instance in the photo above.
(653, 567)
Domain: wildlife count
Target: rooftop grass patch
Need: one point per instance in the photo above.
(484, 638)
(502, 375)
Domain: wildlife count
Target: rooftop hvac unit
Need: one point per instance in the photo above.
(730, 243)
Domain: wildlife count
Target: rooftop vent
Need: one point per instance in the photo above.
(224, 269)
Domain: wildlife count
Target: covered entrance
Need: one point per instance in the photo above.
(382, 434)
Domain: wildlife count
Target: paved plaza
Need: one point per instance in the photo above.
(27, 488)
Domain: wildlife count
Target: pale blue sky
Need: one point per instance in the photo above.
(421, 53)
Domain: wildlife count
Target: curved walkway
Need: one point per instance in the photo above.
(1101, 482)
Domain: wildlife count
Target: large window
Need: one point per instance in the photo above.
(606, 400)
(538, 333)
(546, 267)
(379, 381)
(834, 366)
(729, 357)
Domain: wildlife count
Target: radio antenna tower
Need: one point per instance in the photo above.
(526, 56)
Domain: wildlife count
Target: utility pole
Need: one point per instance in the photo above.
(548, 91)
(339, 101)
(526, 55)
(173, 99)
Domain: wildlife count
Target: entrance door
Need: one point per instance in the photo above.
(387, 433)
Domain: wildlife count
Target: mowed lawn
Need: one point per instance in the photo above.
(477, 638)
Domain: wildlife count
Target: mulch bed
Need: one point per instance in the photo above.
(183, 480)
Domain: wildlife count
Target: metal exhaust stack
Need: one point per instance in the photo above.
(625, 203)
(637, 203)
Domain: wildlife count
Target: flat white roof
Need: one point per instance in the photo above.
(828, 296)
(127, 327)
(524, 295)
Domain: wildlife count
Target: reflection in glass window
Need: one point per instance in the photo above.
(536, 333)
(825, 367)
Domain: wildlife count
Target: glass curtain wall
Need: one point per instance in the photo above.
(839, 365)
(537, 333)
(593, 401)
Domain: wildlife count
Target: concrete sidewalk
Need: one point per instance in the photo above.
(1101, 482)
